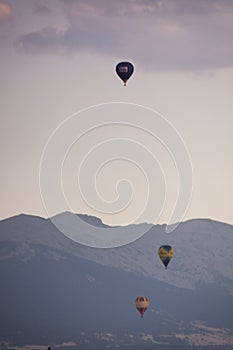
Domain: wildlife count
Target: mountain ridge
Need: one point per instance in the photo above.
(83, 216)
(206, 241)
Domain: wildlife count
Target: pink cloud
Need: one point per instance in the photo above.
(162, 34)
(5, 11)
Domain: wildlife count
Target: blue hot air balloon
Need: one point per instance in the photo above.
(124, 70)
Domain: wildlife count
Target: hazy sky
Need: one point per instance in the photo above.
(58, 57)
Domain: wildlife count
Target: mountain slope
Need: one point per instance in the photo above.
(54, 290)
(49, 300)
(203, 250)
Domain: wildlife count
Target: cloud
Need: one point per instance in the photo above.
(132, 8)
(41, 9)
(161, 35)
(74, 38)
(45, 40)
(5, 11)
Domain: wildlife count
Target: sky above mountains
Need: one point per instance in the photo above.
(59, 57)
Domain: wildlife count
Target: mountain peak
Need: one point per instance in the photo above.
(90, 219)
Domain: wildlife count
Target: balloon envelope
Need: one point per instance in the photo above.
(124, 70)
(142, 304)
(166, 253)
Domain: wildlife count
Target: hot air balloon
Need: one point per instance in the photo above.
(142, 304)
(124, 70)
(166, 253)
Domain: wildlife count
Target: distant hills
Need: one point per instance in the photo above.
(56, 291)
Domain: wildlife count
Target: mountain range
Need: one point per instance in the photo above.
(56, 291)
